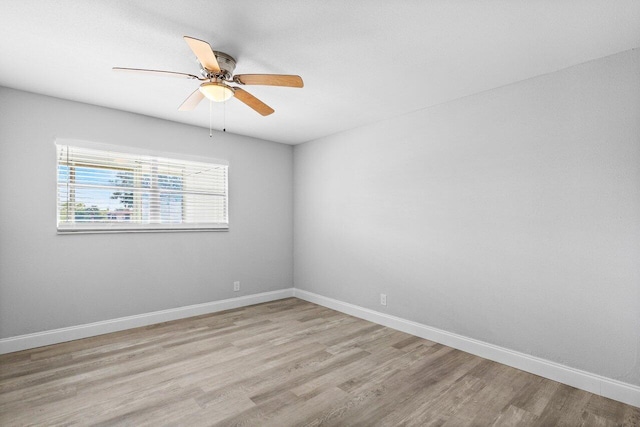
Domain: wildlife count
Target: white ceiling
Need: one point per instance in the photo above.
(361, 60)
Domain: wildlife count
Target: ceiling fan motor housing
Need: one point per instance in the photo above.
(227, 64)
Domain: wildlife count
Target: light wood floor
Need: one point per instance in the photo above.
(283, 363)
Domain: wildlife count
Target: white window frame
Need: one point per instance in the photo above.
(64, 227)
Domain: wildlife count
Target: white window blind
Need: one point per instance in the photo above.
(103, 190)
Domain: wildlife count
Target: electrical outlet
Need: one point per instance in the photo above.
(236, 286)
(383, 299)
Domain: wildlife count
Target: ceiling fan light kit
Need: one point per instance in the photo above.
(216, 92)
(217, 71)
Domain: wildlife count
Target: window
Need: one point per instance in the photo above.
(104, 190)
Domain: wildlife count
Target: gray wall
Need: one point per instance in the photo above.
(49, 281)
(511, 216)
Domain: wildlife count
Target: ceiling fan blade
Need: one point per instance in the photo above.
(252, 101)
(204, 53)
(192, 101)
(269, 80)
(157, 72)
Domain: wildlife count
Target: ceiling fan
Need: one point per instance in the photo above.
(217, 73)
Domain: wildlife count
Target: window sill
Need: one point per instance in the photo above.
(95, 230)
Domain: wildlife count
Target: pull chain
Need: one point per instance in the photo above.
(210, 120)
(224, 116)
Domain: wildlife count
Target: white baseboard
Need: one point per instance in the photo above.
(607, 387)
(55, 336)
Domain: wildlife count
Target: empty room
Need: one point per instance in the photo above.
(281, 213)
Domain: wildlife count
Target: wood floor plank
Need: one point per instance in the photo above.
(408, 389)
(439, 409)
(282, 363)
(514, 416)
